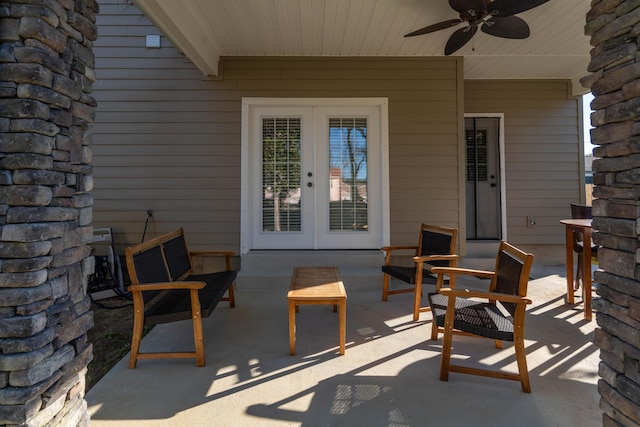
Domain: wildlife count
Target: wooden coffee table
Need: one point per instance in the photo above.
(314, 286)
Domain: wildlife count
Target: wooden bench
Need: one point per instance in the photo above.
(164, 289)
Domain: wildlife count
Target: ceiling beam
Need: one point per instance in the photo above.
(177, 24)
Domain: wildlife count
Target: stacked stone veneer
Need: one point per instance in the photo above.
(614, 27)
(46, 74)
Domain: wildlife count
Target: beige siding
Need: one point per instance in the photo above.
(169, 141)
(542, 155)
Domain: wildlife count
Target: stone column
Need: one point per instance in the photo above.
(46, 74)
(614, 27)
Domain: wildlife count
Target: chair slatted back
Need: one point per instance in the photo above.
(579, 212)
(508, 278)
(177, 255)
(437, 241)
(512, 273)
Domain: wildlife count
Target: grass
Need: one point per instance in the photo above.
(110, 336)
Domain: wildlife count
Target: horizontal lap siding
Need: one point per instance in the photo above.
(167, 140)
(541, 152)
(164, 139)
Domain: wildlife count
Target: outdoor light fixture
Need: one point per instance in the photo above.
(153, 41)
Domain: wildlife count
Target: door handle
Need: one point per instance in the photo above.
(309, 184)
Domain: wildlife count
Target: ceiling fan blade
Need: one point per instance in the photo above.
(435, 27)
(502, 8)
(464, 6)
(459, 38)
(509, 27)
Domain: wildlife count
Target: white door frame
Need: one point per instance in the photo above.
(503, 192)
(248, 103)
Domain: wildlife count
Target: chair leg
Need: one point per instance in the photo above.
(385, 287)
(434, 330)
(416, 300)
(578, 280)
(445, 362)
(138, 324)
(521, 358)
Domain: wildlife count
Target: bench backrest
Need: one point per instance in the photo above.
(162, 259)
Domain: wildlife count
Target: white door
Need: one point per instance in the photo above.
(314, 177)
(483, 176)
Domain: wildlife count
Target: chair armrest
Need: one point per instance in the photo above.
(388, 249)
(459, 270)
(452, 272)
(395, 248)
(164, 286)
(427, 258)
(466, 293)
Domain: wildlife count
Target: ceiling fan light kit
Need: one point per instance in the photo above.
(495, 18)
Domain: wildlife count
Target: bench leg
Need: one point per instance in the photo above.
(138, 323)
(232, 296)
(197, 327)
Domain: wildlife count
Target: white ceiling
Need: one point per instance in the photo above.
(205, 30)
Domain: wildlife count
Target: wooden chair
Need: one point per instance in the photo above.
(455, 311)
(436, 247)
(581, 211)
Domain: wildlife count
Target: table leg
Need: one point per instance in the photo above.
(586, 273)
(292, 327)
(569, 251)
(343, 326)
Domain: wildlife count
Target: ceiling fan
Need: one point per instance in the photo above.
(495, 18)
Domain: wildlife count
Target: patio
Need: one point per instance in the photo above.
(388, 376)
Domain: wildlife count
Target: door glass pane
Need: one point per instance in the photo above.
(281, 174)
(348, 174)
(477, 157)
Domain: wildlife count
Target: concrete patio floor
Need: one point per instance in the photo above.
(388, 376)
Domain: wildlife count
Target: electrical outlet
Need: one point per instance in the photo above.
(532, 221)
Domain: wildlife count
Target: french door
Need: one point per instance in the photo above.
(314, 177)
(484, 178)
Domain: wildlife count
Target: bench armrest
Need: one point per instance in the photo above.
(200, 253)
(163, 286)
(227, 256)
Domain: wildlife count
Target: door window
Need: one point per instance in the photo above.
(348, 180)
(281, 182)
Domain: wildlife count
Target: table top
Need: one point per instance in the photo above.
(316, 282)
(577, 222)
